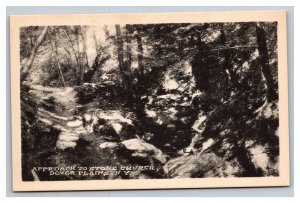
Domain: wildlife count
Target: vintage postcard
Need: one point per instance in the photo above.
(149, 101)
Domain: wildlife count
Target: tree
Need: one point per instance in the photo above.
(55, 54)
(264, 58)
(202, 61)
(120, 51)
(37, 44)
(84, 59)
(227, 62)
(95, 40)
(126, 93)
(140, 52)
(128, 46)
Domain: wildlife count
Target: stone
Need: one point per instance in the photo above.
(192, 166)
(67, 140)
(140, 148)
(65, 144)
(108, 145)
(69, 137)
(117, 127)
(87, 117)
(74, 124)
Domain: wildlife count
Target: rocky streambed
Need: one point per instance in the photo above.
(86, 136)
(101, 140)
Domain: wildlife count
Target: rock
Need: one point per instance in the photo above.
(169, 96)
(46, 121)
(195, 166)
(115, 116)
(159, 121)
(115, 131)
(142, 149)
(199, 124)
(196, 95)
(187, 151)
(127, 131)
(65, 144)
(150, 113)
(151, 100)
(109, 133)
(171, 126)
(117, 127)
(172, 113)
(87, 117)
(261, 160)
(68, 136)
(91, 85)
(74, 124)
(95, 124)
(81, 130)
(208, 143)
(67, 140)
(108, 145)
(147, 136)
(170, 84)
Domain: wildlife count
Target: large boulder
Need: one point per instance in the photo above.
(109, 133)
(199, 166)
(111, 125)
(138, 148)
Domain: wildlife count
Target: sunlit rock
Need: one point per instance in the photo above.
(68, 137)
(65, 144)
(108, 145)
(140, 148)
(74, 124)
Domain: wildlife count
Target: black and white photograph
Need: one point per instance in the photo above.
(141, 101)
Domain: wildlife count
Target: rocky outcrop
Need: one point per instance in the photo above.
(199, 166)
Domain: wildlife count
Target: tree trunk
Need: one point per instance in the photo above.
(140, 90)
(77, 33)
(36, 46)
(264, 59)
(56, 54)
(227, 62)
(128, 47)
(85, 62)
(126, 94)
(200, 66)
(140, 53)
(121, 57)
(76, 53)
(95, 41)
